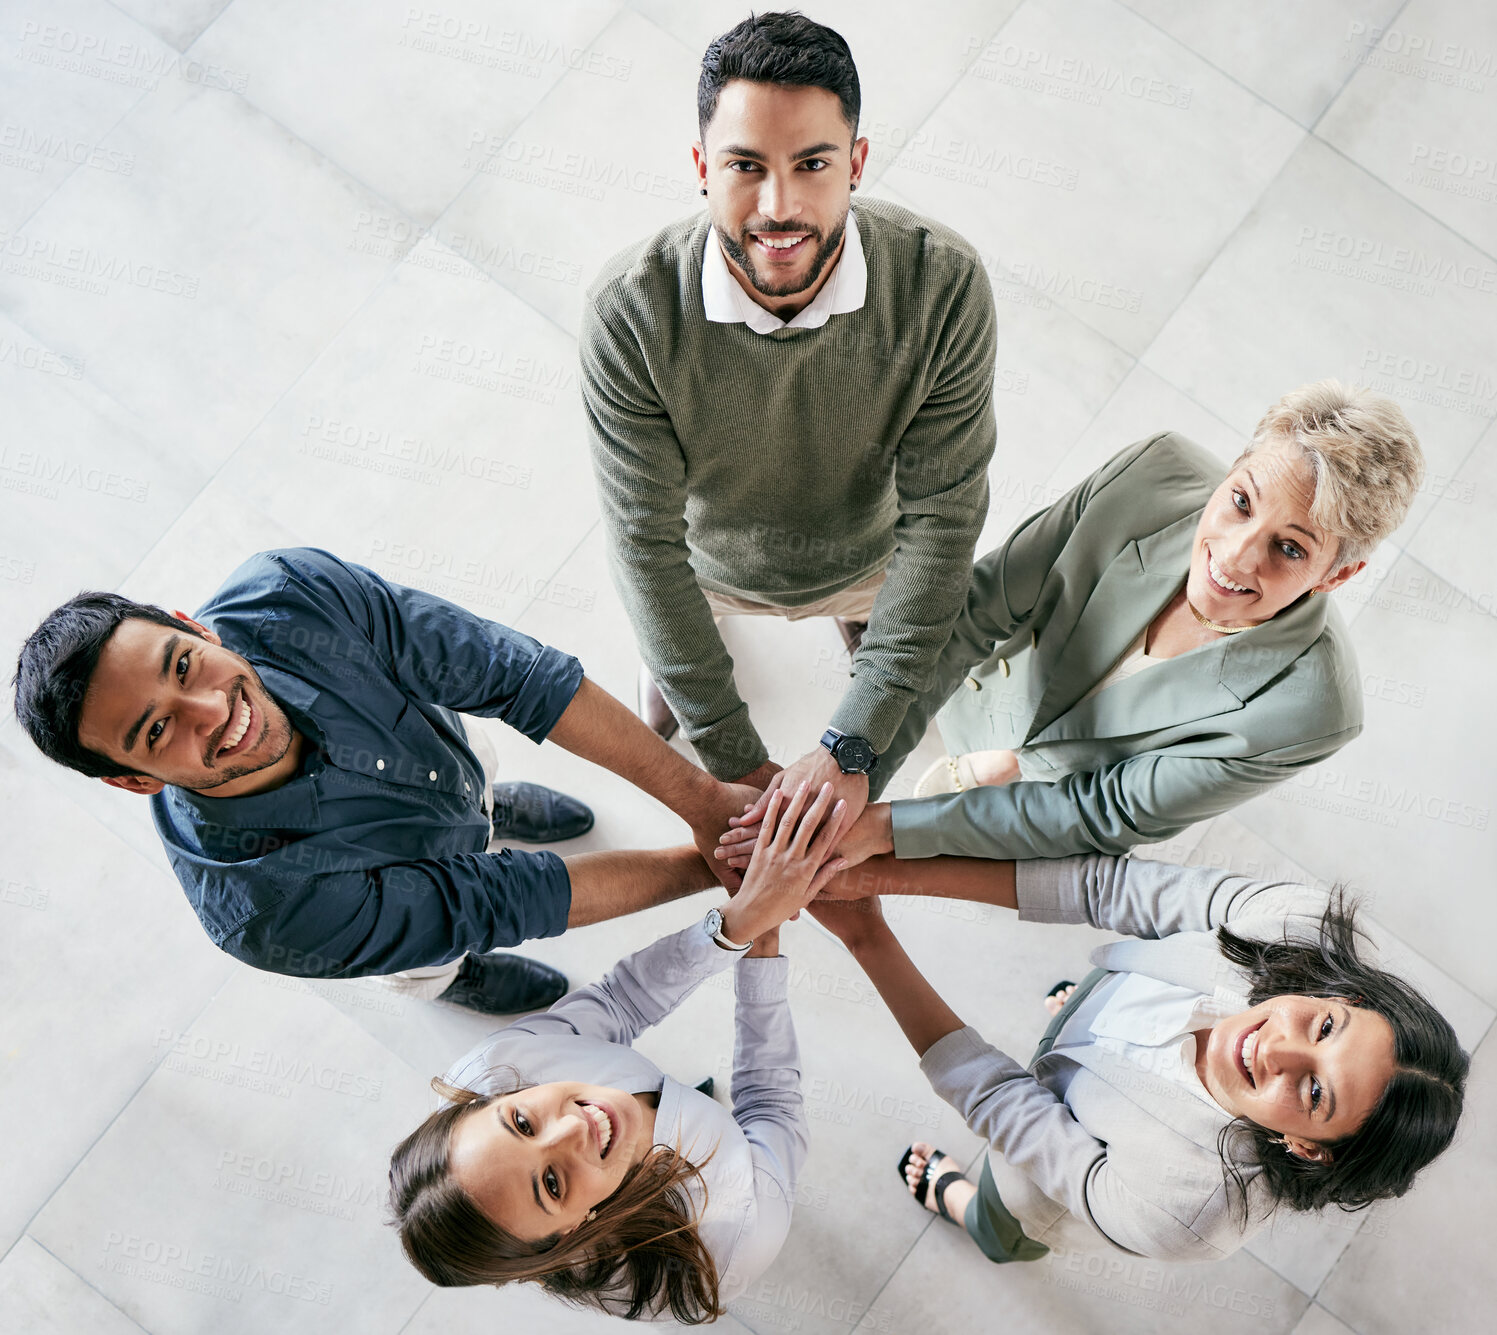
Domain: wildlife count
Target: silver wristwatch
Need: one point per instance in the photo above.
(712, 924)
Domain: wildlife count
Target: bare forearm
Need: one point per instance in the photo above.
(915, 1004)
(983, 880)
(609, 885)
(599, 728)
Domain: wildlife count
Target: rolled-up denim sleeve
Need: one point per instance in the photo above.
(406, 915)
(440, 653)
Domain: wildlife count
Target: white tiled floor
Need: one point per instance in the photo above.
(251, 253)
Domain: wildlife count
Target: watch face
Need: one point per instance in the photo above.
(714, 922)
(854, 755)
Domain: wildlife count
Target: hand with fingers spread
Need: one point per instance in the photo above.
(790, 861)
(863, 837)
(814, 769)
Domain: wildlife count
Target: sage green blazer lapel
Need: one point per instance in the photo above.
(1213, 680)
(1123, 601)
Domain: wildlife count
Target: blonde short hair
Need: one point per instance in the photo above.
(1363, 454)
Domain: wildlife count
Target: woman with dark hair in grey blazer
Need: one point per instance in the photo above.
(1239, 1057)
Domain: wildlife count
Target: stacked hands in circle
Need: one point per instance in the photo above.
(1154, 648)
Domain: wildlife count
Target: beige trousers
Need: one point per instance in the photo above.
(852, 604)
(427, 984)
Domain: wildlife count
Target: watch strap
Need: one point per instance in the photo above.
(730, 945)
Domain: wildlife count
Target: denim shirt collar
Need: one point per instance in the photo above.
(291, 806)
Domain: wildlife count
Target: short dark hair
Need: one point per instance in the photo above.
(786, 48)
(56, 664)
(1416, 1117)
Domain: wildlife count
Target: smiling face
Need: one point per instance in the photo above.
(1309, 1068)
(184, 711)
(537, 1161)
(778, 164)
(1256, 548)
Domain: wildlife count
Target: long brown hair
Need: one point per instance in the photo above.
(640, 1255)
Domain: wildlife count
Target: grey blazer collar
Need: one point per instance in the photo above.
(1187, 959)
(1134, 588)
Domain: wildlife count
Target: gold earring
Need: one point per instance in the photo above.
(591, 1215)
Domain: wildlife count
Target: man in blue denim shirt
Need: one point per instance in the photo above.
(317, 794)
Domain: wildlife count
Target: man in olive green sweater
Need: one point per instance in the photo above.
(791, 405)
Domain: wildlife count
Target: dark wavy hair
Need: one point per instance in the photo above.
(642, 1253)
(1413, 1121)
(784, 48)
(57, 663)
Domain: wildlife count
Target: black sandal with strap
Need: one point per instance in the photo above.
(924, 1185)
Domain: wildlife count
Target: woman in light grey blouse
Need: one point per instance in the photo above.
(566, 1158)
(1240, 1057)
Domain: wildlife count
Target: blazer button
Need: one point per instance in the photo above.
(379, 764)
(1003, 666)
(432, 776)
(973, 684)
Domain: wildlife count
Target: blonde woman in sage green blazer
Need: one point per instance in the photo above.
(1251, 679)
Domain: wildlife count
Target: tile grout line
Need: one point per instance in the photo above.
(416, 1311)
(1226, 74)
(1305, 132)
(119, 1112)
(560, 565)
(1398, 194)
(88, 1283)
(1467, 458)
(1206, 268)
(941, 100)
(467, 185)
(1356, 69)
(144, 93)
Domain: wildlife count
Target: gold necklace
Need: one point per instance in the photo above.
(1212, 625)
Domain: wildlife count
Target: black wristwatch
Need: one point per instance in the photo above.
(854, 755)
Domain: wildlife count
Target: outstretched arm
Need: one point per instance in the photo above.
(613, 884)
(1140, 800)
(1020, 1118)
(599, 728)
(982, 880)
(791, 868)
(915, 1004)
(767, 1104)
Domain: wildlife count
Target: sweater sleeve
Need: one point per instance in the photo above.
(641, 472)
(942, 481)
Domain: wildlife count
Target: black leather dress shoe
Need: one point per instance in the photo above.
(536, 815)
(505, 984)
